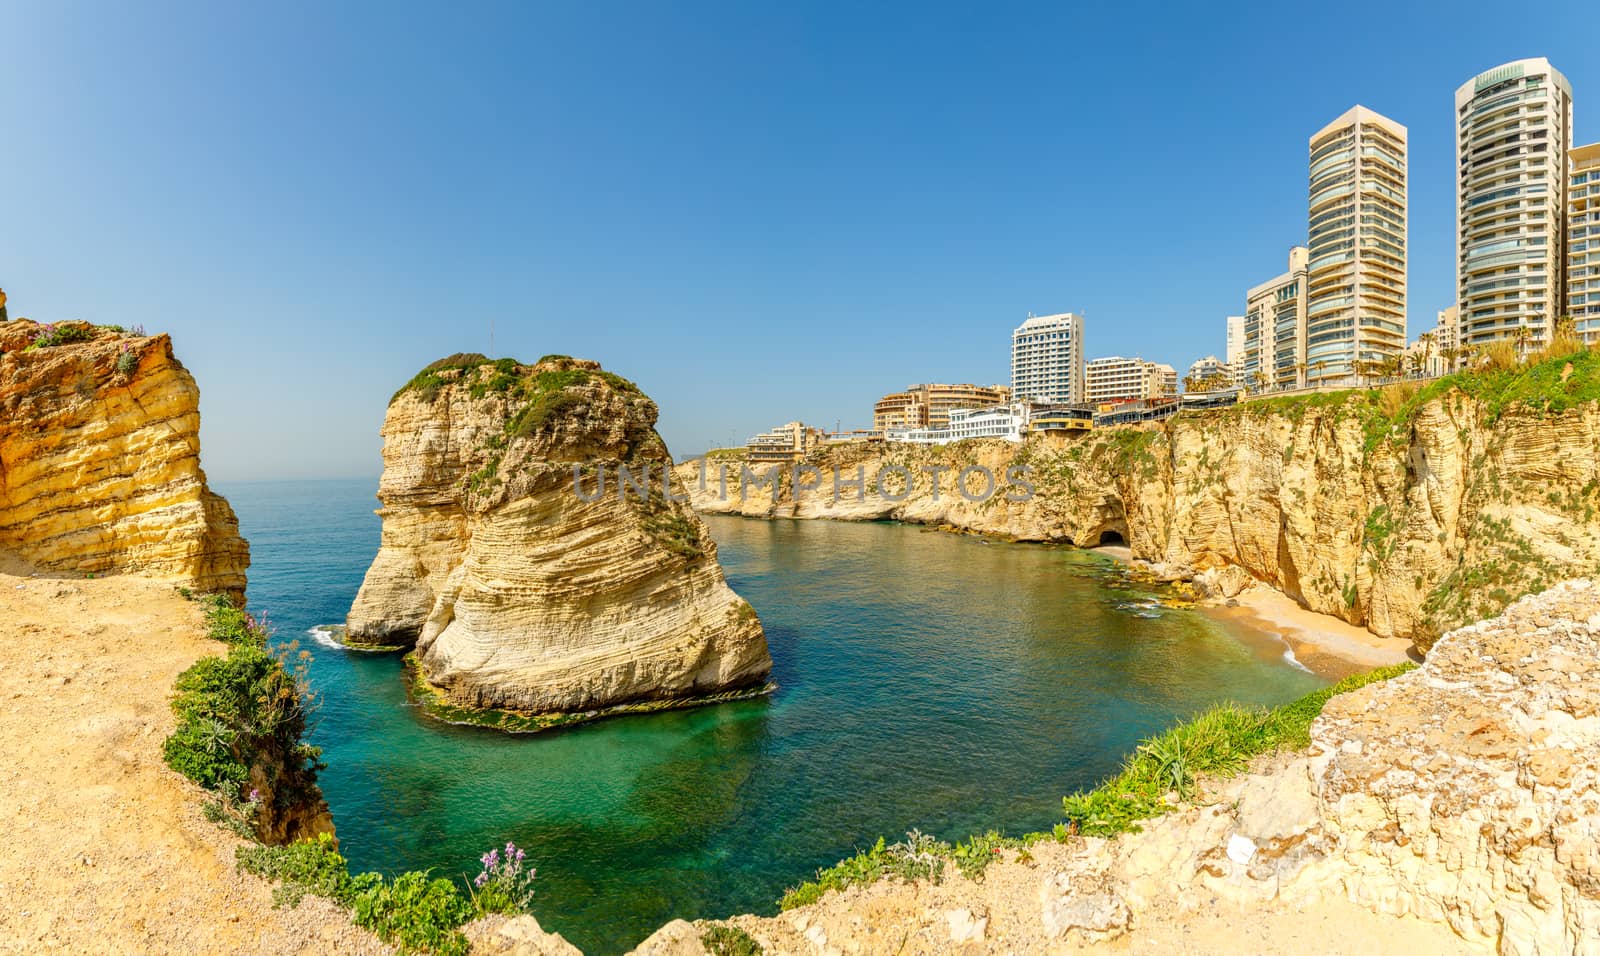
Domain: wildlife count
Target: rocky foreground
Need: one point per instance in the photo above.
(1408, 520)
(100, 459)
(1453, 808)
(516, 592)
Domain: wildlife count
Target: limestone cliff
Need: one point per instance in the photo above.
(517, 592)
(1408, 522)
(100, 459)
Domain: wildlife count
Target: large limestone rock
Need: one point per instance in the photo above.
(100, 461)
(1408, 530)
(517, 593)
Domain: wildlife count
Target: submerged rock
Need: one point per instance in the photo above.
(524, 576)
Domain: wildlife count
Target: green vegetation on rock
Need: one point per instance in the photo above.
(243, 713)
(1219, 743)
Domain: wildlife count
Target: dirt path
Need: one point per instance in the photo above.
(107, 850)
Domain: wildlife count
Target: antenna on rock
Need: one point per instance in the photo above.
(491, 338)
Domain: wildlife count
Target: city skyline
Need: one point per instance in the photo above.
(358, 222)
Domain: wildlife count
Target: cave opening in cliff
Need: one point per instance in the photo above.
(1111, 537)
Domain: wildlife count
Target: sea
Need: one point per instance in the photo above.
(947, 683)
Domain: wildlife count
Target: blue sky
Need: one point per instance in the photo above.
(759, 212)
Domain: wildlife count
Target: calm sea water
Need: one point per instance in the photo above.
(927, 680)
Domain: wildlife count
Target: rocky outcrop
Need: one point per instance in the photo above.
(525, 577)
(100, 460)
(1464, 794)
(1407, 524)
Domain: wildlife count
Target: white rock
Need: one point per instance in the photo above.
(1241, 849)
(964, 927)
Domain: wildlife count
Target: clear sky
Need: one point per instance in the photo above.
(758, 211)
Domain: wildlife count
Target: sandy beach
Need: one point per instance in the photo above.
(1320, 643)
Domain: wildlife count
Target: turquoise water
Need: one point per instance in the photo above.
(927, 680)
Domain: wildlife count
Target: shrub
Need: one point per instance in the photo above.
(230, 624)
(310, 866)
(127, 361)
(234, 713)
(241, 714)
(729, 941)
(49, 336)
(415, 913)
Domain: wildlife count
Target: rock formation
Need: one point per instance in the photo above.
(1407, 525)
(518, 593)
(100, 459)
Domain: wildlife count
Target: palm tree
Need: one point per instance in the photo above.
(1521, 338)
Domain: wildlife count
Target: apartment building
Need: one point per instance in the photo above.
(1583, 242)
(1355, 303)
(1047, 359)
(1008, 421)
(785, 444)
(930, 405)
(1274, 354)
(1446, 335)
(1121, 379)
(1208, 374)
(1513, 134)
(1235, 352)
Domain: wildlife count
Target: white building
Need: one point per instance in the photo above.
(1116, 378)
(1583, 243)
(1208, 369)
(1274, 329)
(1355, 313)
(1047, 359)
(1009, 422)
(1513, 134)
(1235, 340)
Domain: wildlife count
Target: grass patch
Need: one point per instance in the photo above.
(1218, 742)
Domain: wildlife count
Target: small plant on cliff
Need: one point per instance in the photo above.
(506, 883)
(49, 336)
(414, 912)
(729, 941)
(127, 361)
(307, 867)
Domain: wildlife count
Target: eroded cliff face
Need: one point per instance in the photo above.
(1408, 529)
(517, 592)
(100, 461)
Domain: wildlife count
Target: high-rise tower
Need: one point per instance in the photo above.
(1355, 319)
(1513, 133)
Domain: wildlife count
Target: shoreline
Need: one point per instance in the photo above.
(1316, 642)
